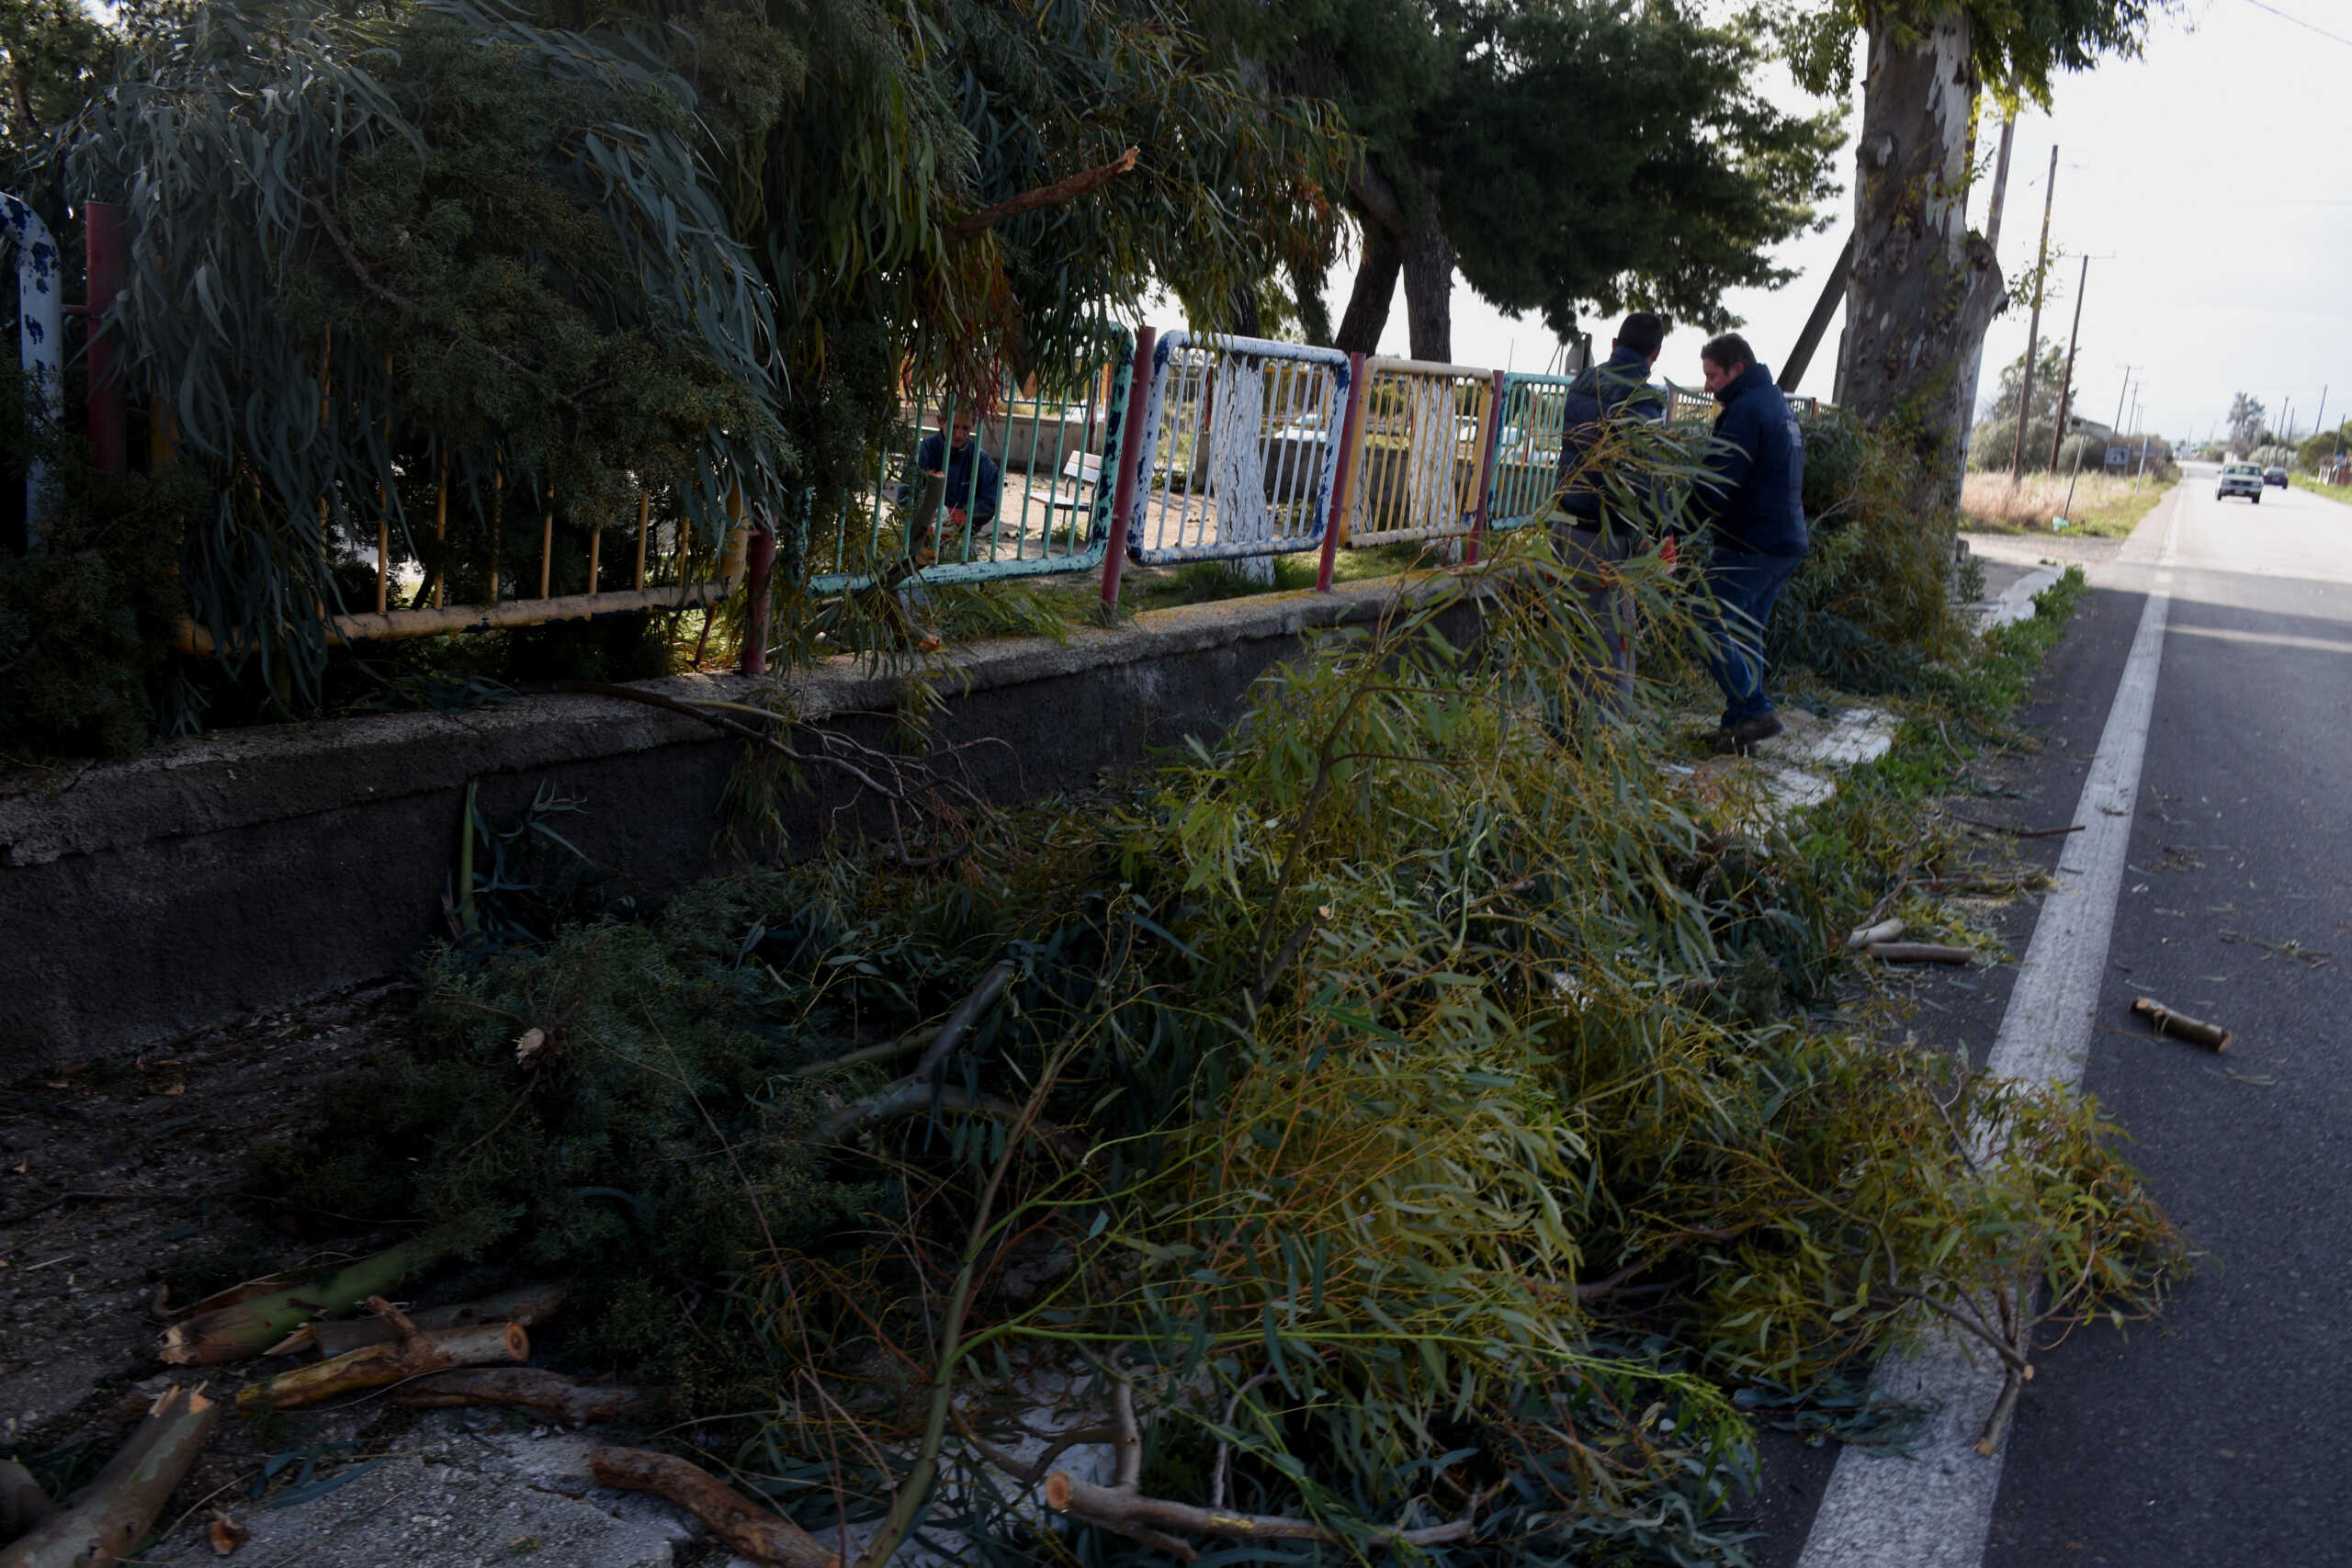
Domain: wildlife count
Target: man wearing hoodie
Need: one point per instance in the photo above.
(1752, 494)
(1596, 531)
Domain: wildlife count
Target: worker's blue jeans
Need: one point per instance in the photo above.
(1742, 589)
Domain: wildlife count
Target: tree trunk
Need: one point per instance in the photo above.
(1314, 316)
(1429, 286)
(1367, 312)
(1923, 288)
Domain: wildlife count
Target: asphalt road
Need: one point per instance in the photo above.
(2221, 1435)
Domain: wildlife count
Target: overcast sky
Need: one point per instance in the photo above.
(2211, 182)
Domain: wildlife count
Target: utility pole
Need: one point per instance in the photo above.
(2033, 328)
(2066, 382)
(2120, 397)
(2321, 423)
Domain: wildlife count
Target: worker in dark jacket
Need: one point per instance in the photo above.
(975, 485)
(1597, 525)
(1752, 494)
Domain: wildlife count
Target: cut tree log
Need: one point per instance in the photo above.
(1885, 930)
(22, 1502)
(1918, 952)
(563, 1399)
(530, 1306)
(2181, 1026)
(744, 1526)
(416, 1352)
(248, 1328)
(105, 1521)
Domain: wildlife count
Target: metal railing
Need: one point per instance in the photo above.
(666, 573)
(1026, 492)
(1423, 451)
(1527, 449)
(1241, 448)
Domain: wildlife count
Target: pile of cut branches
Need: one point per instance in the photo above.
(1392, 1127)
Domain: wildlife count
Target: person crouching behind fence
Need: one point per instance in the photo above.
(1597, 525)
(974, 487)
(1752, 494)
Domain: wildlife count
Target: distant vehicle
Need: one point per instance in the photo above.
(2240, 479)
(2274, 475)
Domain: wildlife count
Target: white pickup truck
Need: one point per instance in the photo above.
(2240, 479)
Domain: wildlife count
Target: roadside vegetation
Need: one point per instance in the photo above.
(2104, 506)
(1426, 1115)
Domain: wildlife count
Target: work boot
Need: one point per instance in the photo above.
(1750, 732)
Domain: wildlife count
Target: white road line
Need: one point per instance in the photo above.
(1934, 1511)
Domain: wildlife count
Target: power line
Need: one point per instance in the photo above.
(2282, 16)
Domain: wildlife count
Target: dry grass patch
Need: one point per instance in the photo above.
(2104, 506)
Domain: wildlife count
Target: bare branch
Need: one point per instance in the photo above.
(1125, 1510)
(1044, 195)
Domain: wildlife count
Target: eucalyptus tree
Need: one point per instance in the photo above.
(1923, 288)
(941, 191)
(466, 268)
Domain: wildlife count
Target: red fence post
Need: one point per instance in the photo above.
(759, 560)
(109, 420)
(1342, 486)
(1485, 477)
(1131, 458)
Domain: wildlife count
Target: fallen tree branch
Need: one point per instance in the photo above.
(975, 1002)
(1918, 952)
(916, 1093)
(249, 1328)
(907, 1100)
(2018, 832)
(22, 1502)
(1044, 195)
(716, 720)
(744, 1526)
(1885, 930)
(2010, 1356)
(1597, 1289)
(1125, 1509)
(104, 1522)
(567, 1400)
(416, 1353)
(885, 1050)
(530, 1306)
(1997, 1421)
(2181, 1026)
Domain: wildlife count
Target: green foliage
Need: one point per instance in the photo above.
(1993, 444)
(2016, 46)
(1617, 204)
(1405, 1095)
(86, 622)
(52, 52)
(647, 1146)
(2322, 445)
(1870, 609)
(1626, 201)
(372, 252)
(2047, 373)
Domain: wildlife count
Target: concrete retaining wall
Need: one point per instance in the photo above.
(264, 866)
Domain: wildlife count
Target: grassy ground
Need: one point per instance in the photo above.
(2333, 492)
(2104, 507)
